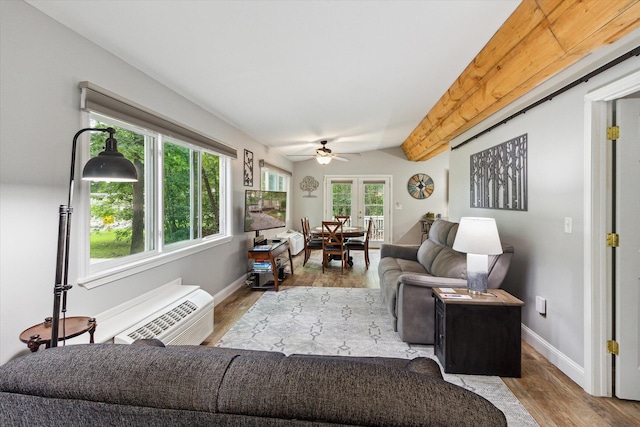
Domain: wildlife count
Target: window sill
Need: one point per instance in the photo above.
(123, 271)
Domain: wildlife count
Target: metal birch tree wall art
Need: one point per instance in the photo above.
(499, 176)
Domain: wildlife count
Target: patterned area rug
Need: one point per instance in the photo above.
(347, 321)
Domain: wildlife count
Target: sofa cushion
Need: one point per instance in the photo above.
(427, 253)
(109, 375)
(443, 232)
(421, 365)
(449, 263)
(333, 391)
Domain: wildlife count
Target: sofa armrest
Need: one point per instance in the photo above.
(409, 252)
(431, 281)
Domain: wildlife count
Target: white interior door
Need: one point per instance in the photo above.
(627, 254)
(364, 198)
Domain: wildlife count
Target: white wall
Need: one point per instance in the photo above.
(547, 262)
(405, 221)
(41, 64)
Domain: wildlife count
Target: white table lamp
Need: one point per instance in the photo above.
(478, 238)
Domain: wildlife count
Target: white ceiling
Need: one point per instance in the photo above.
(361, 74)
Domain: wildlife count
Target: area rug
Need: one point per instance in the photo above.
(347, 321)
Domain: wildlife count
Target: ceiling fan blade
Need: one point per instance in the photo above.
(342, 159)
(346, 154)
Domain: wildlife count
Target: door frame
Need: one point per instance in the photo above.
(598, 374)
(356, 178)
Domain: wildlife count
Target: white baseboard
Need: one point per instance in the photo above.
(224, 293)
(555, 356)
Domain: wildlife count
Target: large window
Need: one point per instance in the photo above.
(177, 202)
(274, 179)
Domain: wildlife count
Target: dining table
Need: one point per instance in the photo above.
(348, 232)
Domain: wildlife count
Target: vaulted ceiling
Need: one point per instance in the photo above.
(541, 38)
(361, 74)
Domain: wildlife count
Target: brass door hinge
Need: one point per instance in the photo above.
(613, 240)
(613, 133)
(612, 347)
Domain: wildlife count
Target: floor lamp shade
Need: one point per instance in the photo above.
(109, 165)
(478, 238)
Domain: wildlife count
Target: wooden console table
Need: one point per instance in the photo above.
(270, 254)
(40, 334)
(479, 335)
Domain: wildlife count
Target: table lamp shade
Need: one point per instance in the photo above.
(479, 238)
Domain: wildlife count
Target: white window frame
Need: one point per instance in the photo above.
(91, 276)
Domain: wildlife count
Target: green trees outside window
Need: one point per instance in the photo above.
(341, 194)
(187, 210)
(124, 216)
(118, 209)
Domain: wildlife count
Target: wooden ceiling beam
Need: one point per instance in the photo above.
(540, 39)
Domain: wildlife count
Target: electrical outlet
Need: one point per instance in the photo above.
(568, 225)
(541, 305)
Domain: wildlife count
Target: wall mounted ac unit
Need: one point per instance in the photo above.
(186, 320)
(296, 241)
(173, 313)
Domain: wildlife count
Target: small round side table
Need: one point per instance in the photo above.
(40, 334)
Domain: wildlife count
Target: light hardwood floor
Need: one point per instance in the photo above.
(549, 395)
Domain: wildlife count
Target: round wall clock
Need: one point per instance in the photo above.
(420, 186)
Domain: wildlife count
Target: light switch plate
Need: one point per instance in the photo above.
(541, 305)
(568, 225)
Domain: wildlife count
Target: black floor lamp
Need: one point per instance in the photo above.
(109, 165)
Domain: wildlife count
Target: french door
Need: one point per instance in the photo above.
(364, 199)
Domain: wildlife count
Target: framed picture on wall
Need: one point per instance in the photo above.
(248, 168)
(499, 177)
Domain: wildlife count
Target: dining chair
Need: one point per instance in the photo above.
(333, 244)
(310, 243)
(344, 219)
(360, 244)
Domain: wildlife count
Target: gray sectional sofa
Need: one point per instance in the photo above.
(139, 385)
(408, 273)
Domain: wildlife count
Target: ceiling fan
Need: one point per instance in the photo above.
(324, 155)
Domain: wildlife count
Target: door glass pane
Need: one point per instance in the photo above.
(374, 209)
(341, 199)
(117, 223)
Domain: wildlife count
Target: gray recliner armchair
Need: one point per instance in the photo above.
(408, 274)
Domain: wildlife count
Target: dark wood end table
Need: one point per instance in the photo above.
(478, 334)
(40, 334)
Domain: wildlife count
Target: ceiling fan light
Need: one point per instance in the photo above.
(323, 160)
